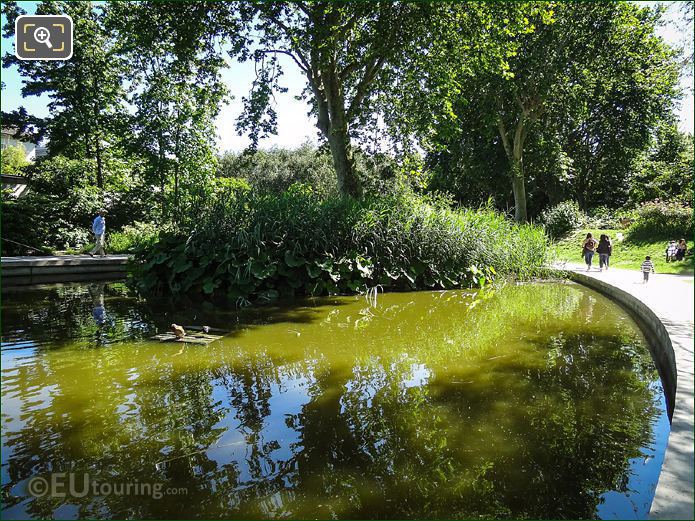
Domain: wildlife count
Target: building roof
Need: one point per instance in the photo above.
(14, 132)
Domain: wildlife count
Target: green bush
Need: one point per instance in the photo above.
(275, 170)
(132, 238)
(603, 218)
(49, 220)
(248, 246)
(659, 219)
(13, 160)
(562, 219)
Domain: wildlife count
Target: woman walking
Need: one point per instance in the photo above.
(588, 249)
(681, 250)
(604, 250)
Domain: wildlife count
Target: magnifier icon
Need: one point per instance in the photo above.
(42, 35)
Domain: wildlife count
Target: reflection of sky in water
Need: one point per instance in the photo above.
(287, 400)
(417, 376)
(14, 352)
(644, 474)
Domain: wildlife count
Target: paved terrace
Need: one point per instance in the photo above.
(670, 297)
(54, 268)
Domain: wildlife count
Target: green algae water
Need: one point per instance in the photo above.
(526, 401)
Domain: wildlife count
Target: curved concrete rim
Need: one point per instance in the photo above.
(673, 497)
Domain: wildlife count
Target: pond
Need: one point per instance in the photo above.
(534, 400)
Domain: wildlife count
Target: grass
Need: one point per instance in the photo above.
(627, 254)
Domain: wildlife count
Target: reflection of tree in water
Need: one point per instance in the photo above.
(59, 315)
(449, 421)
(173, 416)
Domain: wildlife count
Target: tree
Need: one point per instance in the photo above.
(176, 94)
(85, 92)
(28, 127)
(665, 170)
(577, 82)
(486, 78)
(341, 48)
(621, 97)
(13, 160)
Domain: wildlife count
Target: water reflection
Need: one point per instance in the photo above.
(98, 308)
(531, 401)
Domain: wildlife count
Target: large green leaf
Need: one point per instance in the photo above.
(313, 270)
(269, 294)
(293, 260)
(181, 264)
(160, 257)
(262, 270)
(209, 286)
(365, 267)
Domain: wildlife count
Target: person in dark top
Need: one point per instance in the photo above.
(604, 250)
(681, 250)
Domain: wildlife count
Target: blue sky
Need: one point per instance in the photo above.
(295, 126)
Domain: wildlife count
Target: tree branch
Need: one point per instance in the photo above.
(503, 135)
(303, 7)
(371, 70)
(288, 53)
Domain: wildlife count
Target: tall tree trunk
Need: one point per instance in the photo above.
(177, 202)
(519, 189)
(338, 135)
(326, 85)
(97, 136)
(162, 175)
(343, 162)
(515, 155)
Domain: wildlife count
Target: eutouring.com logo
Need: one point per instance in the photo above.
(72, 485)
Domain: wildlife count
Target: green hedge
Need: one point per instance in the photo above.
(250, 247)
(659, 219)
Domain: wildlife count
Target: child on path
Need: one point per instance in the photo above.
(647, 266)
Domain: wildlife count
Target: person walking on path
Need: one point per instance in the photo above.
(99, 230)
(647, 266)
(588, 249)
(604, 250)
(681, 250)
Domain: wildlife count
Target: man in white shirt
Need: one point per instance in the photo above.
(99, 230)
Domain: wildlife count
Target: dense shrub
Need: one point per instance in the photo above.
(659, 219)
(665, 170)
(131, 238)
(562, 219)
(13, 160)
(603, 218)
(275, 170)
(248, 246)
(48, 220)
